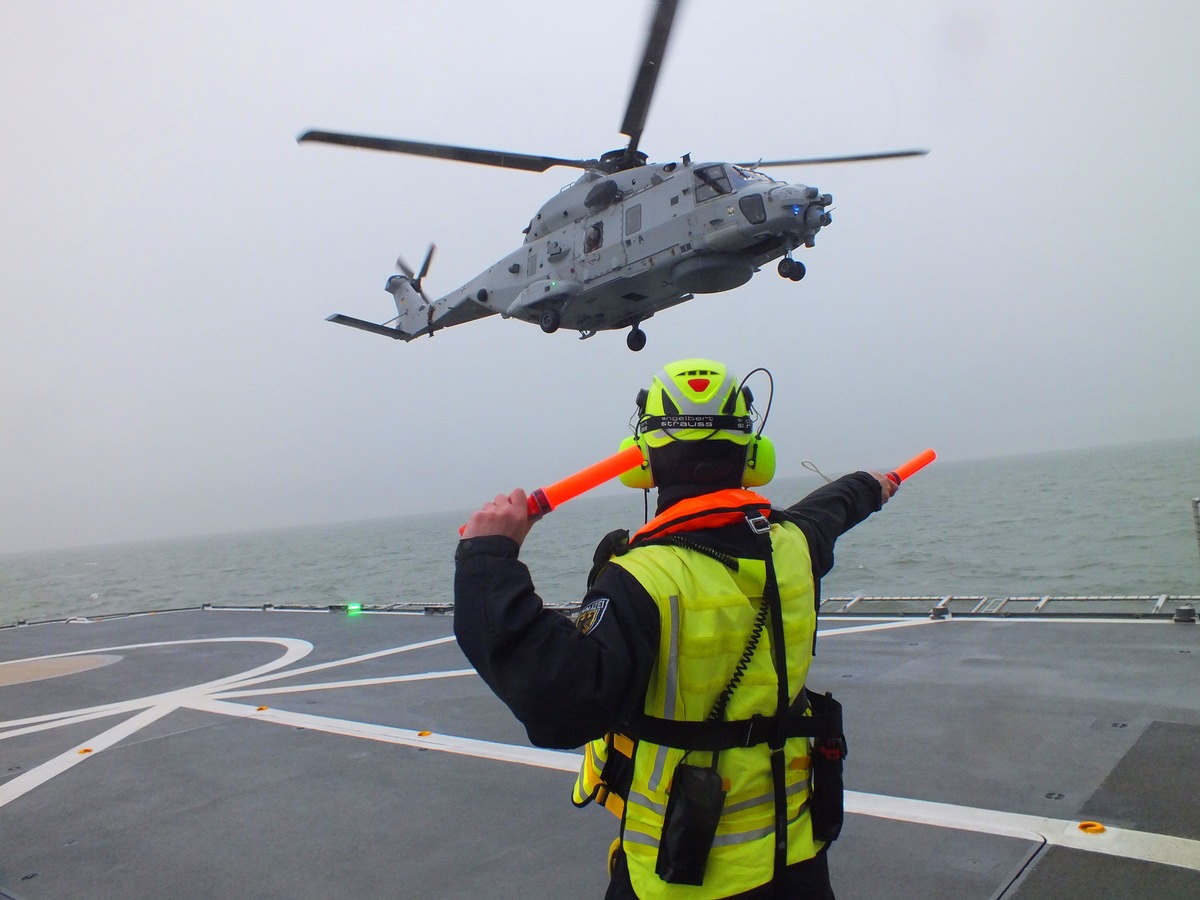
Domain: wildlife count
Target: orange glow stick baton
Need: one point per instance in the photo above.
(543, 500)
(916, 464)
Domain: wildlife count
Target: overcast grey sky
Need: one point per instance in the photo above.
(168, 253)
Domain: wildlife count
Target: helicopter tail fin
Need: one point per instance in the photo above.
(414, 312)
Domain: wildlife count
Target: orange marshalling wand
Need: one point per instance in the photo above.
(545, 499)
(916, 464)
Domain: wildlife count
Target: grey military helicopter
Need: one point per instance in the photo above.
(628, 239)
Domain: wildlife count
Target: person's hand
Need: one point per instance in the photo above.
(887, 487)
(506, 515)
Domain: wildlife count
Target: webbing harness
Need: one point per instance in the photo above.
(823, 724)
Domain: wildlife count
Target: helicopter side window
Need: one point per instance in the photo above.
(711, 181)
(753, 209)
(593, 238)
(633, 219)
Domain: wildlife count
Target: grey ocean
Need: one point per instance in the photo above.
(1107, 521)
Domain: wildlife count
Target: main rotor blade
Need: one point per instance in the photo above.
(647, 76)
(524, 161)
(858, 157)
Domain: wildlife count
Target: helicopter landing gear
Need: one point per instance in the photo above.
(636, 339)
(551, 319)
(791, 268)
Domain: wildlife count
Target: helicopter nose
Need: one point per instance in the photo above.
(816, 217)
(805, 206)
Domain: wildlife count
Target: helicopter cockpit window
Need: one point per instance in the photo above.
(748, 176)
(753, 208)
(593, 238)
(711, 181)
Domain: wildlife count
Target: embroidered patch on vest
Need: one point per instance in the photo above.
(590, 615)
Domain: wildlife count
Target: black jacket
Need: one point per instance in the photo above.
(568, 687)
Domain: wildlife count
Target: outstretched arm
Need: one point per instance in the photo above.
(833, 509)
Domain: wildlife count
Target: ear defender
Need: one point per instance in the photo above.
(760, 462)
(640, 477)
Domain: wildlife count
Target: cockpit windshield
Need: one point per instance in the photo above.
(742, 176)
(710, 181)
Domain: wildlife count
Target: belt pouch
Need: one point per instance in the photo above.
(828, 802)
(690, 824)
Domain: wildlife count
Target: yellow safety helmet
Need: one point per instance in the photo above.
(695, 400)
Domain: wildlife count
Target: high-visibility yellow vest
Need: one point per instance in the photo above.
(707, 612)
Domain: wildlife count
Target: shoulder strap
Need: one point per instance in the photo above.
(612, 544)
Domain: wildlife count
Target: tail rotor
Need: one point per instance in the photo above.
(415, 279)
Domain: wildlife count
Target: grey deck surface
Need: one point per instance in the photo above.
(976, 749)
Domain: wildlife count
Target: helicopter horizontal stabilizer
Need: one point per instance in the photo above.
(386, 331)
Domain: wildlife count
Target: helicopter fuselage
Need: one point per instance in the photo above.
(610, 250)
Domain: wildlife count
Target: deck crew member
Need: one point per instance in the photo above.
(684, 672)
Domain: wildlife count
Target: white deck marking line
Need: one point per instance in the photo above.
(331, 685)
(1127, 843)
(99, 712)
(1144, 845)
(284, 641)
(879, 626)
(559, 760)
(1166, 849)
(1031, 620)
(147, 710)
(152, 707)
(35, 777)
(992, 620)
(349, 660)
(294, 649)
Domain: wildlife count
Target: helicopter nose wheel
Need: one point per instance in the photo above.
(791, 268)
(636, 339)
(551, 319)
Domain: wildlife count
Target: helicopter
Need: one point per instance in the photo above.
(628, 239)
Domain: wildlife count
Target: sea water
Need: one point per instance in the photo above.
(1108, 521)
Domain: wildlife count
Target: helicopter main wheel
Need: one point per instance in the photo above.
(551, 319)
(791, 268)
(636, 339)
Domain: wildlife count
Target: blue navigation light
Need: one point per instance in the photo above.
(795, 209)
